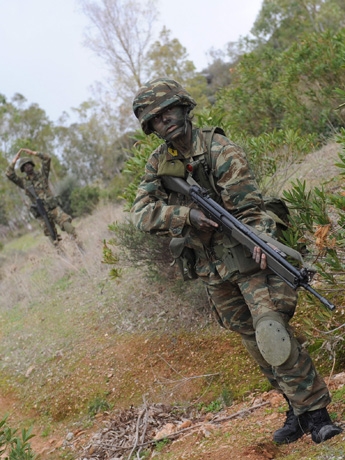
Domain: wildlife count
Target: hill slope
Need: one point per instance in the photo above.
(92, 363)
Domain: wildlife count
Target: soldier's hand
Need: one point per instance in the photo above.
(16, 157)
(260, 257)
(200, 221)
(29, 152)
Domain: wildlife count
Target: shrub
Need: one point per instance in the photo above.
(138, 249)
(64, 190)
(84, 200)
(295, 89)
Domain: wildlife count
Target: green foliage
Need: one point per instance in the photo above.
(227, 397)
(281, 22)
(160, 445)
(23, 125)
(114, 190)
(169, 58)
(12, 446)
(135, 165)
(64, 191)
(137, 249)
(84, 200)
(293, 89)
(338, 395)
(213, 406)
(310, 229)
(92, 148)
(97, 405)
(110, 258)
(272, 156)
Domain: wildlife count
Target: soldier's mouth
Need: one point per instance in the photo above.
(171, 128)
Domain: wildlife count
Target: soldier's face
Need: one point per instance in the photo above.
(28, 168)
(170, 124)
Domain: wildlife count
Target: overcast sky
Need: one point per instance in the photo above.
(42, 56)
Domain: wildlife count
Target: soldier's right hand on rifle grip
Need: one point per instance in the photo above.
(200, 221)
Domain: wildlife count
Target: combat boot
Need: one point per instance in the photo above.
(292, 429)
(320, 425)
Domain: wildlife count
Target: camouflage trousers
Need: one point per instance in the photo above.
(237, 304)
(56, 216)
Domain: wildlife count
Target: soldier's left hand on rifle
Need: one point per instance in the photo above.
(260, 257)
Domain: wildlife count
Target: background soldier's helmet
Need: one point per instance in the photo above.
(156, 96)
(23, 161)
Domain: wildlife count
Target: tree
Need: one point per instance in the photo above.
(23, 125)
(282, 22)
(294, 89)
(92, 148)
(168, 58)
(121, 36)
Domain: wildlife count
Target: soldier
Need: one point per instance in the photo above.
(36, 185)
(244, 295)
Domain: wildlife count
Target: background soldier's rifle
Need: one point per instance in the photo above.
(246, 235)
(42, 211)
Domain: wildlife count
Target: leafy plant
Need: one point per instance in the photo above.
(159, 446)
(135, 165)
(99, 404)
(137, 249)
(12, 446)
(213, 406)
(84, 199)
(290, 89)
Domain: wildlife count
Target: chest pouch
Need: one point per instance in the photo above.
(168, 166)
(236, 257)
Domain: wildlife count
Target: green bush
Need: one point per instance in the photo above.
(64, 191)
(138, 249)
(84, 200)
(295, 89)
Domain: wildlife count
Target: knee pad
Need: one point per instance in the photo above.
(273, 339)
(68, 227)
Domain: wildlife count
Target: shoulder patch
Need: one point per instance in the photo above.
(173, 152)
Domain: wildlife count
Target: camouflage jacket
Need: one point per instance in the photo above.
(160, 211)
(39, 180)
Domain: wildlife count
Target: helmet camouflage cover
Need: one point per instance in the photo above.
(156, 96)
(23, 161)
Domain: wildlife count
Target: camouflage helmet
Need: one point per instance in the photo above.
(156, 96)
(23, 161)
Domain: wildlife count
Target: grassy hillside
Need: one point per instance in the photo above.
(92, 363)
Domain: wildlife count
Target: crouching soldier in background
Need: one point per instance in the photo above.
(45, 206)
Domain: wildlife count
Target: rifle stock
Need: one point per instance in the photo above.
(245, 235)
(42, 211)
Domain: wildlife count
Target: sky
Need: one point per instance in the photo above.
(43, 58)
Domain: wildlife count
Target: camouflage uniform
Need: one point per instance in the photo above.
(39, 180)
(237, 299)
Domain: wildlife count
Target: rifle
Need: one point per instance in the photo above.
(42, 211)
(245, 235)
